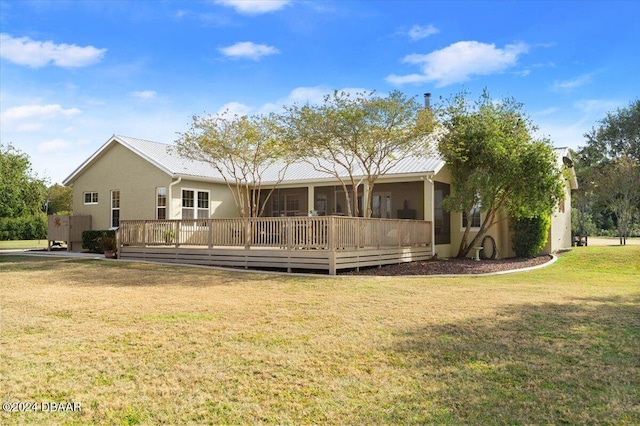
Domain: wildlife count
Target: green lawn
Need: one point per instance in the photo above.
(148, 344)
(23, 244)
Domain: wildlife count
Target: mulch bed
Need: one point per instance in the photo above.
(452, 266)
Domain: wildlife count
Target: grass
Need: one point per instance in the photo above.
(149, 344)
(23, 244)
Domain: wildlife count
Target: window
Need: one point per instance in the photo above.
(442, 218)
(203, 205)
(285, 205)
(161, 203)
(195, 204)
(321, 204)
(115, 209)
(381, 205)
(475, 217)
(90, 197)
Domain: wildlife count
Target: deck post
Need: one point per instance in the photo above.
(332, 262)
(290, 231)
(177, 231)
(144, 233)
(331, 242)
(210, 234)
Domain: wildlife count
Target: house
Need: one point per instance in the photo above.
(130, 178)
(560, 230)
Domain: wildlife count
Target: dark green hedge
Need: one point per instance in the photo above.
(530, 235)
(91, 239)
(24, 227)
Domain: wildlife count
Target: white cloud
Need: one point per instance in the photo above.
(36, 54)
(248, 50)
(409, 79)
(145, 94)
(37, 112)
(418, 32)
(458, 62)
(254, 7)
(29, 127)
(303, 95)
(299, 95)
(569, 85)
(596, 107)
(547, 111)
(54, 145)
(568, 129)
(234, 108)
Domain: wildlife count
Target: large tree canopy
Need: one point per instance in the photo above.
(59, 199)
(618, 135)
(22, 193)
(361, 136)
(496, 163)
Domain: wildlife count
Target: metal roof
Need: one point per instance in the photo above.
(166, 158)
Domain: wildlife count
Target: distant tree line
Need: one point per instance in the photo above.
(25, 198)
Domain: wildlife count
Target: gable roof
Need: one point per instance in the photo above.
(163, 156)
(166, 158)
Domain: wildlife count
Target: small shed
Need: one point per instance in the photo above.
(68, 229)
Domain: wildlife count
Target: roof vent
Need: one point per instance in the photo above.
(567, 162)
(427, 100)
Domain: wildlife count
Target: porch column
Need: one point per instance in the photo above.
(365, 196)
(428, 208)
(311, 201)
(170, 213)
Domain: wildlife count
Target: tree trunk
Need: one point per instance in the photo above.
(463, 250)
(484, 228)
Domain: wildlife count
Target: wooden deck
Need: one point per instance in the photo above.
(328, 243)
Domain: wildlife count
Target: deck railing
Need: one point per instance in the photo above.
(317, 232)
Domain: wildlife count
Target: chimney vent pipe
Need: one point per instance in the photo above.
(427, 100)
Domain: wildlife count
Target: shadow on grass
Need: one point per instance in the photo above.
(575, 363)
(114, 273)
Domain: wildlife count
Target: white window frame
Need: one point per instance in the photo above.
(195, 207)
(91, 193)
(112, 209)
(158, 206)
(476, 210)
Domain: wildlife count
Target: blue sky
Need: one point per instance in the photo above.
(74, 73)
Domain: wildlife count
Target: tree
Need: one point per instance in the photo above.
(21, 197)
(22, 192)
(241, 149)
(618, 135)
(59, 199)
(609, 163)
(496, 164)
(617, 184)
(361, 136)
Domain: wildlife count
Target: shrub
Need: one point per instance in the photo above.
(24, 227)
(94, 240)
(530, 235)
